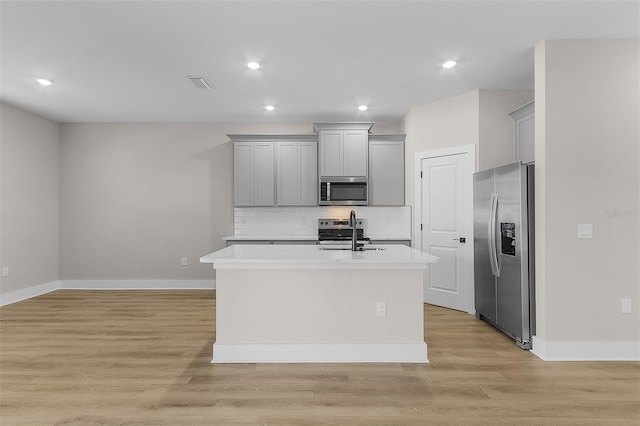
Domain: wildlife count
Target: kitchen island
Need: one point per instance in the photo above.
(311, 303)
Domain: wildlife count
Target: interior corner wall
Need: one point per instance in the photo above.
(29, 200)
(138, 197)
(496, 145)
(588, 172)
(479, 117)
(437, 125)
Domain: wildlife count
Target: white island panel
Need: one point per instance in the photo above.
(319, 316)
(304, 304)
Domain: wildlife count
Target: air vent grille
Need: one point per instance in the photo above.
(200, 82)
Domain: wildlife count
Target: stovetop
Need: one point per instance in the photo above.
(339, 230)
(339, 223)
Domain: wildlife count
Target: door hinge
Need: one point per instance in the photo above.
(421, 227)
(420, 174)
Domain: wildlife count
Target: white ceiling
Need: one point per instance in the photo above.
(127, 61)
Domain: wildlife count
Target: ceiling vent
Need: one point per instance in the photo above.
(200, 82)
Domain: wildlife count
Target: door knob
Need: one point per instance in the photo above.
(461, 239)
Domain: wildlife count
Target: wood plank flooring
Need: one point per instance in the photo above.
(143, 358)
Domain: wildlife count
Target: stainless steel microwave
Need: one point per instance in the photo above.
(343, 191)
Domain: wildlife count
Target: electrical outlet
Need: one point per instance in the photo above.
(5, 271)
(627, 307)
(381, 309)
(184, 261)
(585, 230)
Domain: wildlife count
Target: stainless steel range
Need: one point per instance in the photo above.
(338, 231)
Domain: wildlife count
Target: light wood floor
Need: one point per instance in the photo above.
(143, 357)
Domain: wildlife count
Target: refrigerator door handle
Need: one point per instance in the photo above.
(493, 256)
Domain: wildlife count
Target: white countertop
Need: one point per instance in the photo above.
(300, 238)
(270, 238)
(317, 257)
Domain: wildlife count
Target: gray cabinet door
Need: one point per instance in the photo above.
(287, 163)
(297, 177)
(254, 174)
(264, 174)
(355, 153)
(331, 153)
(386, 172)
(343, 148)
(524, 118)
(343, 152)
(525, 139)
(243, 187)
(308, 174)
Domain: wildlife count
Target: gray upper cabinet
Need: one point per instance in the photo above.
(297, 177)
(343, 148)
(524, 118)
(254, 173)
(274, 170)
(386, 170)
(331, 152)
(355, 152)
(283, 169)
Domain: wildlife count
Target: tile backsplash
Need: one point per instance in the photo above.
(380, 222)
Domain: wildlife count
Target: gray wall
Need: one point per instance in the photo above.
(587, 171)
(136, 198)
(28, 199)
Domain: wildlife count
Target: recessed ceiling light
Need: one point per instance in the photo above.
(44, 81)
(449, 64)
(269, 107)
(363, 107)
(253, 65)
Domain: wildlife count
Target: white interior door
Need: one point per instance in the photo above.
(444, 210)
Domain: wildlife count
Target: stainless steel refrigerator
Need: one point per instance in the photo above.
(503, 250)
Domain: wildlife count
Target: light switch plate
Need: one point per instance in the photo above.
(585, 230)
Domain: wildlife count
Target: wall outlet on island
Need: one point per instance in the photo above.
(627, 306)
(381, 309)
(183, 262)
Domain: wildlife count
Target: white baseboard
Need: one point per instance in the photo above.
(37, 290)
(315, 353)
(585, 351)
(27, 293)
(137, 284)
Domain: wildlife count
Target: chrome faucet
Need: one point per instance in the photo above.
(354, 234)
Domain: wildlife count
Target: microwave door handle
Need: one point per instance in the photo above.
(328, 191)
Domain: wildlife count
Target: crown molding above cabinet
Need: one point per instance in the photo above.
(273, 137)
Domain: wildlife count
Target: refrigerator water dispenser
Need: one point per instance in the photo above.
(508, 239)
